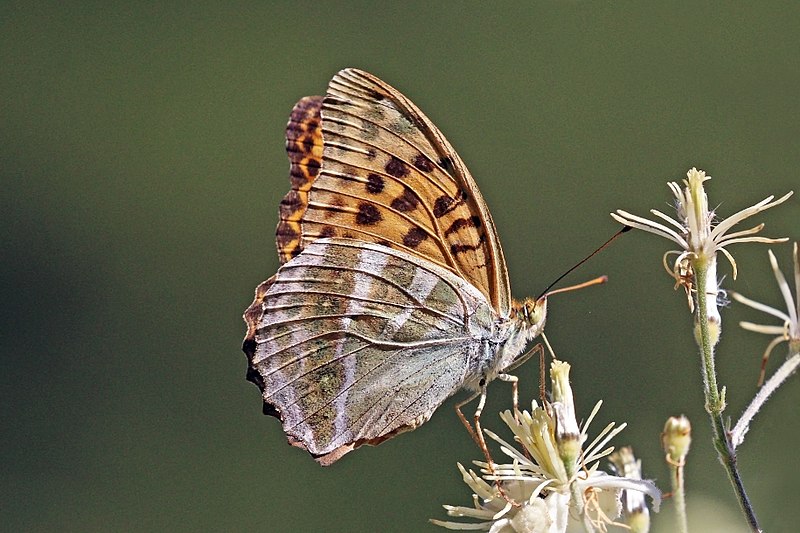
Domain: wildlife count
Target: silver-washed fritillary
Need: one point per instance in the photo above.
(393, 292)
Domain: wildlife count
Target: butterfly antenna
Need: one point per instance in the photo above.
(596, 281)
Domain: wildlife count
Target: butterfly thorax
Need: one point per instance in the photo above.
(508, 341)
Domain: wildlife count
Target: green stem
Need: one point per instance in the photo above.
(678, 496)
(715, 404)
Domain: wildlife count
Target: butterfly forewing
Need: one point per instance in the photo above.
(358, 342)
(389, 176)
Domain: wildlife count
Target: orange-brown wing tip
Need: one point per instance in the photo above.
(252, 317)
(304, 148)
(327, 459)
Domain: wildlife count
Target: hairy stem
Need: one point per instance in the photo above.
(715, 404)
(772, 384)
(678, 496)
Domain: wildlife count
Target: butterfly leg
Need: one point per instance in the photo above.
(463, 418)
(542, 392)
(538, 349)
(477, 433)
(514, 380)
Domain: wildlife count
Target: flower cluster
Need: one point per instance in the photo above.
(554, 479)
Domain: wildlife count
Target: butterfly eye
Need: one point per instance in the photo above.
(535, 311)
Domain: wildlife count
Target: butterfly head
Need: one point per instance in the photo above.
(526, 323)
(531, 314)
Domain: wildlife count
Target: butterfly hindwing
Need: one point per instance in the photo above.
(353, 342)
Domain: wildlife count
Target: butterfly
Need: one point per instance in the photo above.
(393, 292)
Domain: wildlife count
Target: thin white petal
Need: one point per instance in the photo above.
(784, 287)
(480, 526)
(766, 240)
(756, 305)
(760, 328)
(734, 219)
(591, 454)
(468, 512)
(737, 217)
(502, 512)
(751, 231)
(644, 224)
(730, 259)
(677, 192)
(603, 480)
(595, 409)
(772, 384)
(507, 448)
(540, 488)
(502, 526)
(796, 261)
(669, 219)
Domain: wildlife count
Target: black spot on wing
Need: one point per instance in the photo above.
(458, 248)
(414, 237)
(375, 183)
(442, 206)
(397, 168)
(368, 214)
(423, 163)
(335, 100)
(447, 164)
(375, 95)
(472, 222)
(407, 201)
(326, 231)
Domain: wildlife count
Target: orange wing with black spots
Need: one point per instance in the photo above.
(304, 147)
(387, 175)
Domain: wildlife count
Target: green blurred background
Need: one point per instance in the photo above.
(141, 148)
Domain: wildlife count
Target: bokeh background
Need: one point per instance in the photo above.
(142, 160)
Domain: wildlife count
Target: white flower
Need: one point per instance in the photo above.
(634, 507)
(553, 479)
(790, 330)
(697, 235)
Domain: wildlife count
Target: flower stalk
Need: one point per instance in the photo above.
(700, 238)
(715, 403)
